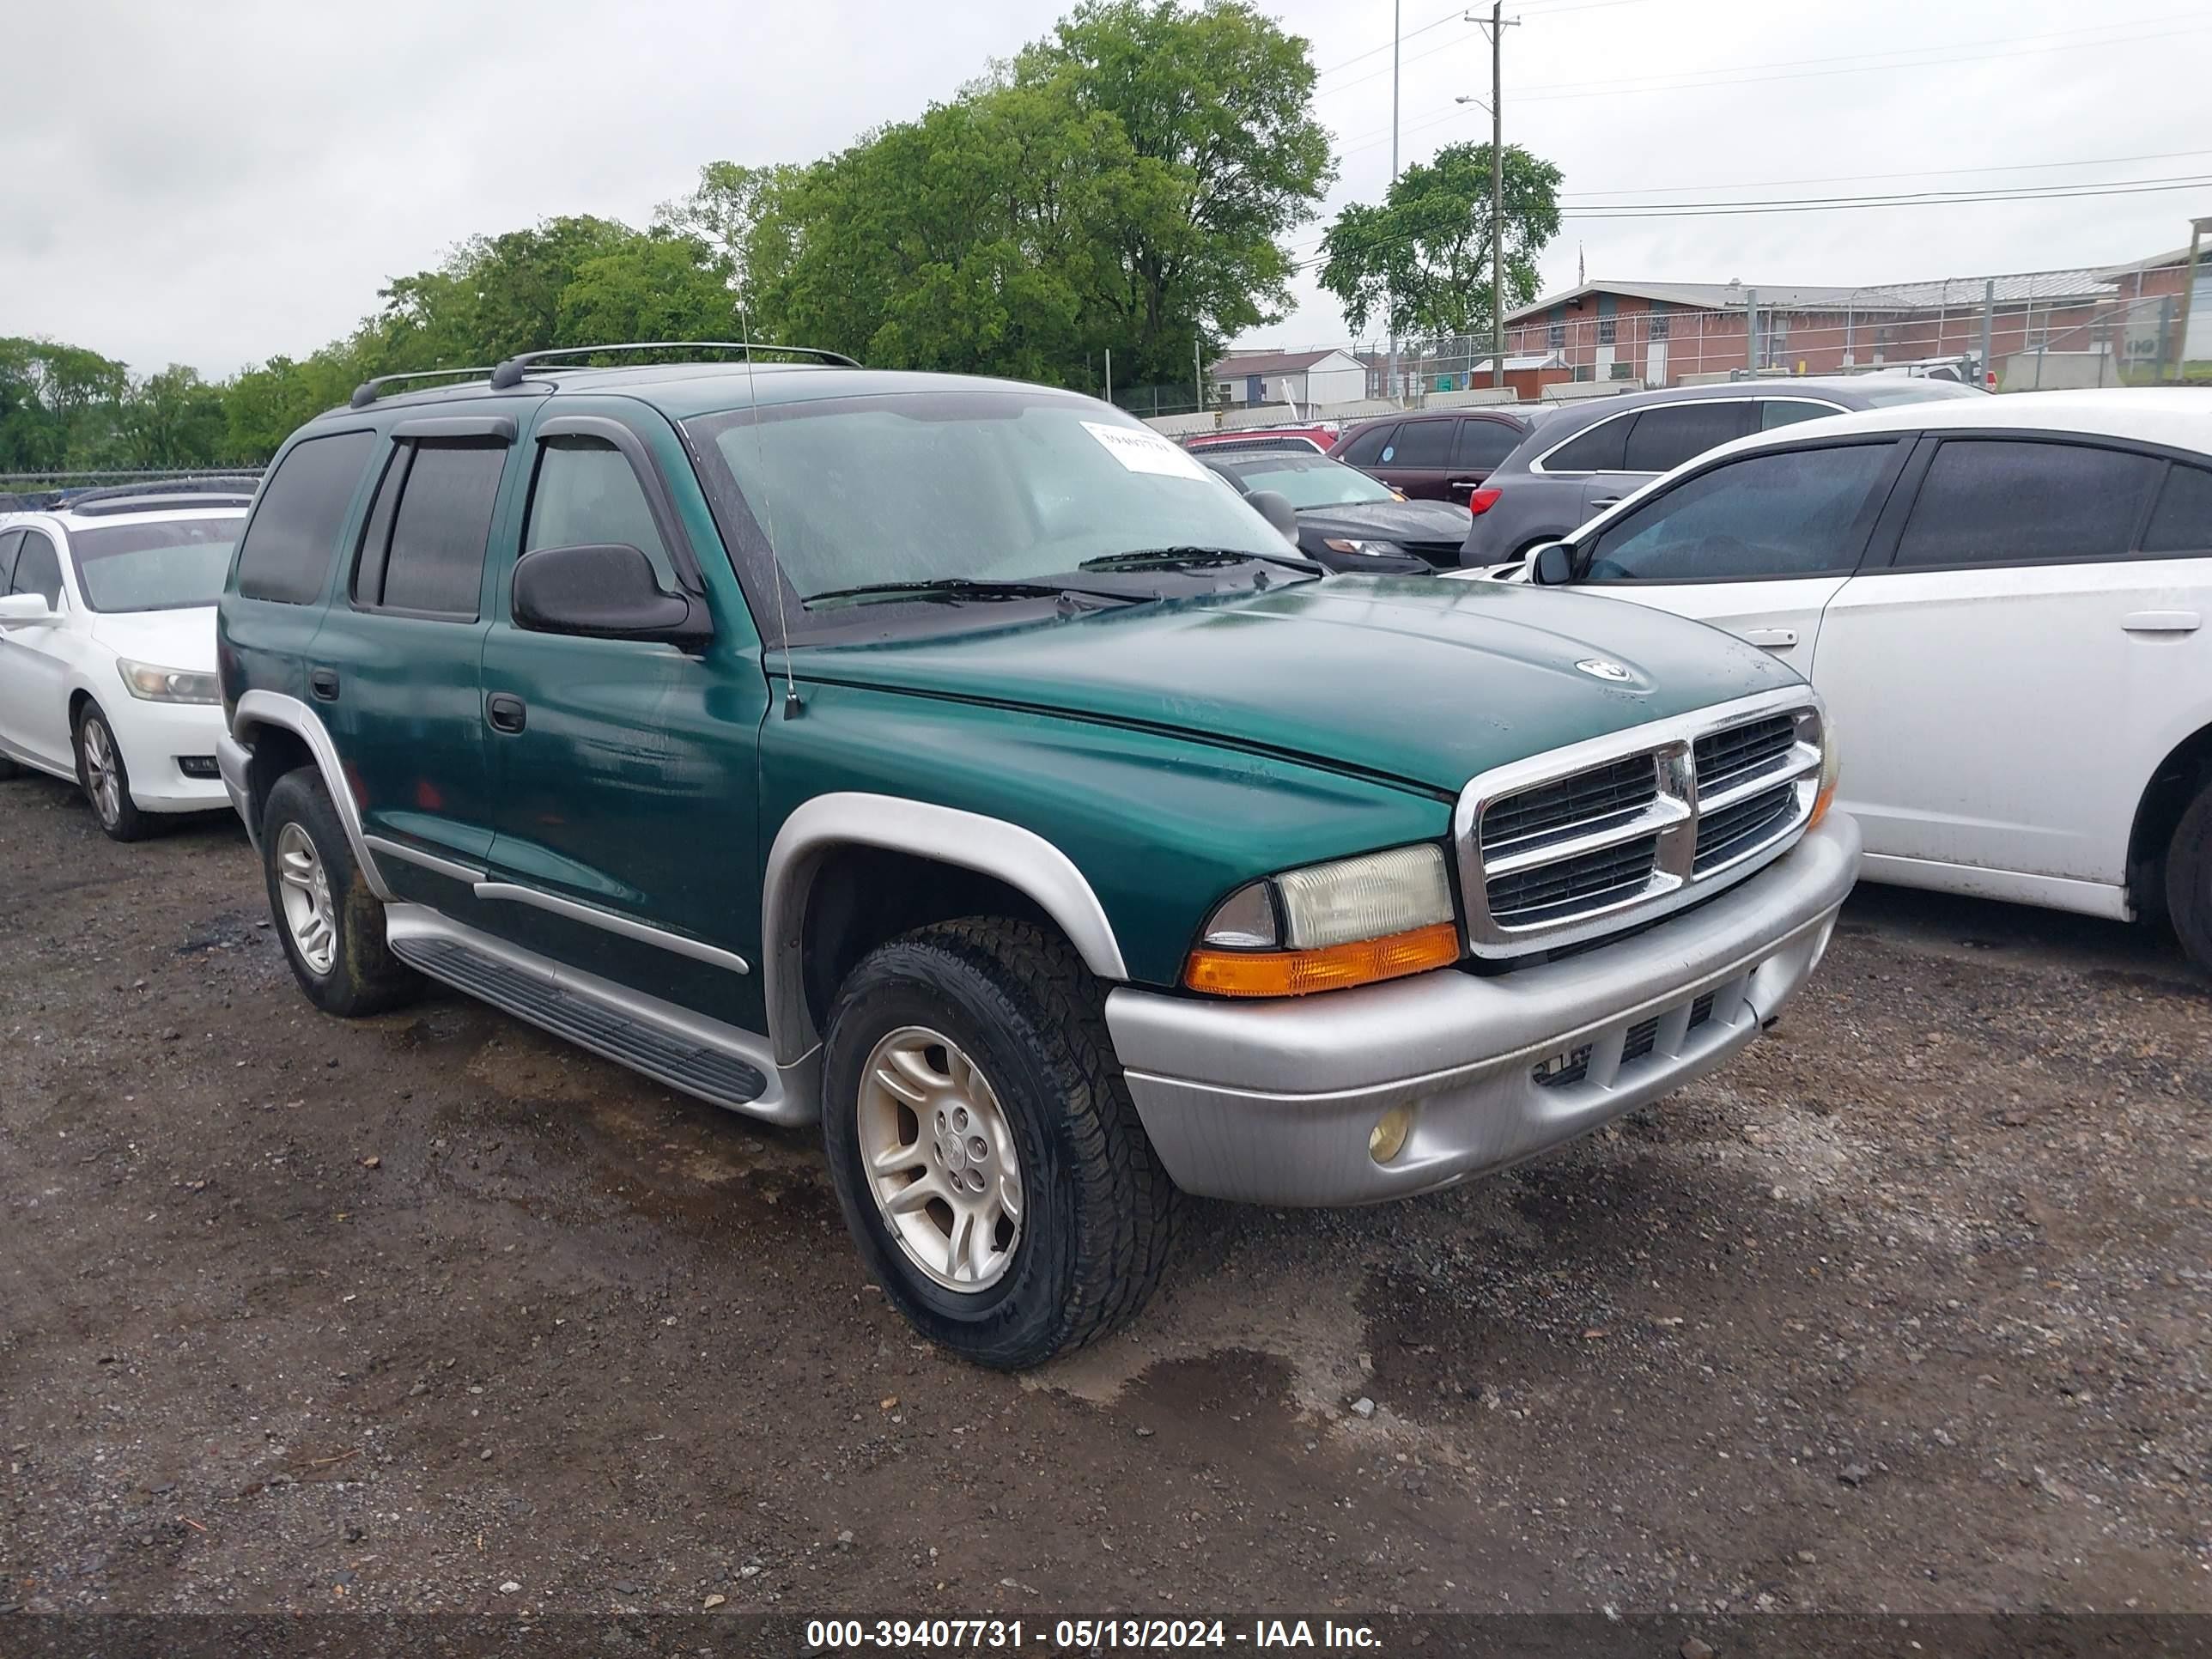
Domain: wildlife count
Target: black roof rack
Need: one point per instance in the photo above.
(510, 372)
(366, 393)
(163, 492)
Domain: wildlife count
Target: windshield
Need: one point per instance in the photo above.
(1014, 485)
(1309, 480)
(170, 564)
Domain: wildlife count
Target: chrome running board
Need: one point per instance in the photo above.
(672, 1045)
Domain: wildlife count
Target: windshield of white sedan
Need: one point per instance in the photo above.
(953, 492)
(1309, 481)
(171, 565)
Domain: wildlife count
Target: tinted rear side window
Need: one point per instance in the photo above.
(1788, 411)
(1421, 443)
(1363, 450)
(9, 541)
(440, 530)
(1484, 443)
(1663, 438)
(2181, 524)
(1795, 513)
(286, 556)
(1990, 501)
(1598, 450)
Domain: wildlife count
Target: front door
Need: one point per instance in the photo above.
(624, 772)
(1757, 545)
(2006, 673)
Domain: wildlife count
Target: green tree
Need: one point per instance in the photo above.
(493, 296)
(736, 213)
(57, 404)
(653, 288)
(1215, 102)
(173, 418)
(1419, 259)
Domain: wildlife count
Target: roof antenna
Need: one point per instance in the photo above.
(792, 705)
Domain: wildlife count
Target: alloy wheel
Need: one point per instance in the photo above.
(941, 1158)
(304, 884)
(102, 780)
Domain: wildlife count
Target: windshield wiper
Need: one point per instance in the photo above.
(1195, 558)
(955, 588)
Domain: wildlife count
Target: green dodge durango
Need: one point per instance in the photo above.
(961, 765)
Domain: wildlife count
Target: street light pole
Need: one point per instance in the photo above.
(1397, 8)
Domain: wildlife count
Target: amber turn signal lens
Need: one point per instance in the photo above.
(1821, 803)
(1331, 968)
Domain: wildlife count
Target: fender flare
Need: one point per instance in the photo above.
(1019, 857)
(275, 708)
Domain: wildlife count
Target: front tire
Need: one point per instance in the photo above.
(2189, 879)
(106, 781)
(331, 925)
(983, 1145)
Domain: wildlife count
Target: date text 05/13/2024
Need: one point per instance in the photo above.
(832, 1635)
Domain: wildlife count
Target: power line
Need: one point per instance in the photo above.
(1372, 75)
(1622, 89)
(1362, 57)
(1825, 204)
(1929, 173)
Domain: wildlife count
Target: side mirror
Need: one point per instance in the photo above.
(1552, 565)
(26, 610)
(1275, 507)
(603, 591)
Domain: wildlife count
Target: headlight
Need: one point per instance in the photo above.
(1328, 925)
(1372, 549)
(168, 684)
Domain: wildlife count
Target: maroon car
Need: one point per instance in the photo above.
(1438, 455)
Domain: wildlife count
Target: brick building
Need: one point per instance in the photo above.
(1662, 332)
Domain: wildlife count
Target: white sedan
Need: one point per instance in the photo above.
(2003, 602)
(107, 656)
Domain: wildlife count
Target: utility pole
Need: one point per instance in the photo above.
(1397, 8)
(2196, 229)
(1496, 26)
(1197, 374)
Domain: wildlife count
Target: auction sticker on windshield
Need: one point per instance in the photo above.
(1145, 451)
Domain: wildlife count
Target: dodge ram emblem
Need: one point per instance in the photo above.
(1599, 668)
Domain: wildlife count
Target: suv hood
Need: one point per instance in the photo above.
(1417, 680)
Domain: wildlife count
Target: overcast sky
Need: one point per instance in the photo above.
(215, 182)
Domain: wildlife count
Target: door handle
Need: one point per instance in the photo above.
(1463, 483)
(1609, 500)
(1774, 639)
(324, 683)
(506, 713)
(2162, 622)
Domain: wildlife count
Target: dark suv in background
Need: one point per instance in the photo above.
(1580, 459)
(1441, 455)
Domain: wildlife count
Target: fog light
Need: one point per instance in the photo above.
(1387, 1138)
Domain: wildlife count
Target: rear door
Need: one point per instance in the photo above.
(2019, 653)
(394, 670)
(1417, 460)
(1757, 544)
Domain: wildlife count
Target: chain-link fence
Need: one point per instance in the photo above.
(2018, 331)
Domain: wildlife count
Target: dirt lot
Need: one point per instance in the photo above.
(1906, 1309)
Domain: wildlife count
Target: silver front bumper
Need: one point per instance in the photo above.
(1273, 1103)
(232, 758)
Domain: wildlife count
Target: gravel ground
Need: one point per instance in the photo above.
(1904, 1311)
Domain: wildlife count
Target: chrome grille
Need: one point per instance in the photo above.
(1570, 806)
(1573, 884)
(1741, 751)
(1617, 832)
(1733, 829)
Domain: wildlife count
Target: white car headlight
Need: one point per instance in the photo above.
(155, 684)
(1372, 549)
